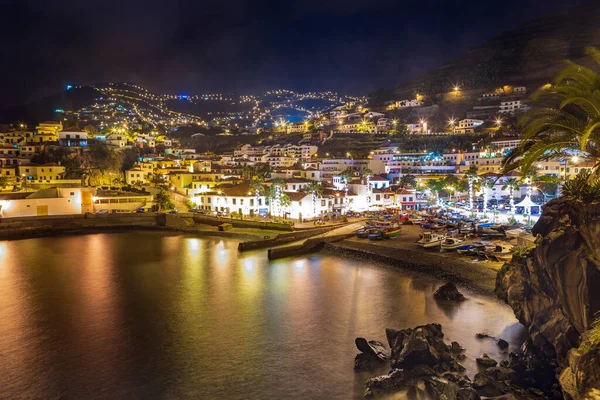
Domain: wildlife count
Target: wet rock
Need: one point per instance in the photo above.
(502, 344)
(483, 335)
(417, 350)
(456, 347)
(486, 361)
(373, 354)
(488, 387)
(583, 371)
(439, 388)
(393, 381)
(467, 394)
(448, 292)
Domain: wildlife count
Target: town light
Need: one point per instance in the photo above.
(499, 121)
(456, 88)
(452, 121)
(575, 159)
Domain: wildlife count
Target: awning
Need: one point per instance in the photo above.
(527, 203)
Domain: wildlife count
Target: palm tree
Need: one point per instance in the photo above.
(257, 188)
(565, 117)
(315, 189)
(346, 176)
(486, 183)
(511, 184)
(471, 179)
(367, 173)
(275, 194)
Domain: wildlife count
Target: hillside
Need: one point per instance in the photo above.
(528, 55)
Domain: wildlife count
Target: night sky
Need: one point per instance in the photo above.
(196, 46)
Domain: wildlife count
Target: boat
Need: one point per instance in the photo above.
(465, 248)
(415, 220)
(376, 235)
(484, 245)
(451, 243)
(392, 233)
(430, 240)
(362, 233)
(503, 252)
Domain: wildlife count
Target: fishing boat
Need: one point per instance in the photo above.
(391, 233)
(465, 248)
(503, 252)
(416, 220)
(430, 240)
(451, 243)
(376, 235)
(362, 233)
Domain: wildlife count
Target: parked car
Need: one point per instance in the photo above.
(102, 212)
(173, 211)
(140, 210)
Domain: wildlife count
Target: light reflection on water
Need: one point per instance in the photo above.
(144, 315)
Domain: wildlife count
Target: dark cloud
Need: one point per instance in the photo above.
(245, 46)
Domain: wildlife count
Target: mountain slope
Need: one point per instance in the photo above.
(529, 55)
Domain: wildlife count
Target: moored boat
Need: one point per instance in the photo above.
(503, 252)
(451, 243)
(465, 248)
(430, 240)
(392, 232)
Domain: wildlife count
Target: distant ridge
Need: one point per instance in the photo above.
(45, 109)
(529, 54)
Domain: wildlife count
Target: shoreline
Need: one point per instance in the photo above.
(471, 276)
(400, 253)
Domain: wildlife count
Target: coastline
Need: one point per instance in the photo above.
(398, 253)
(472, 276)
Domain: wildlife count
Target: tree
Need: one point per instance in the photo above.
(275, 194)
(3, 181)
(470, 180)
(346, 176)
(565, 117)
(435, 186)
(511, 184)
(486, 184)
(315, 189)
(407, 180)
(256, 187)
(162, 199)
(159, 180)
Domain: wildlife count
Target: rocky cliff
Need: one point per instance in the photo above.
(554, 290)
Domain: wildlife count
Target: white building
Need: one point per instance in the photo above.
(510, 107)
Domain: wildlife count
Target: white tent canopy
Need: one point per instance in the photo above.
(527, 203)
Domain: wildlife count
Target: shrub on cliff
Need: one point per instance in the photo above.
(584, 186)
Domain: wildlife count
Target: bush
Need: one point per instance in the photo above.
(584, 186)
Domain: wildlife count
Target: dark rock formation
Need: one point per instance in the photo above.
(555, 290)
(486, 361)
(502, 344)
(583, 371)
(372, 355)
(449, 292)
(483, 335)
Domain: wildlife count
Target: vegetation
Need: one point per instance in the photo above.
(3, 181)
(584, 186)
(162, 199)
(565, 118)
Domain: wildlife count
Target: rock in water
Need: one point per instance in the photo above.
(486, 361)
(371, 347)
(448, 292)
(502, 344)
(372, 354)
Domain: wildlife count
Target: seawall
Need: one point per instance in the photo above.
(476, 277)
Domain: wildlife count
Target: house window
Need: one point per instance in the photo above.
(233, 201)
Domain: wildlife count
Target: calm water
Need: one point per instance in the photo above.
(143, 315)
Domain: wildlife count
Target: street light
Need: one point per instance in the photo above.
(499, 122)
